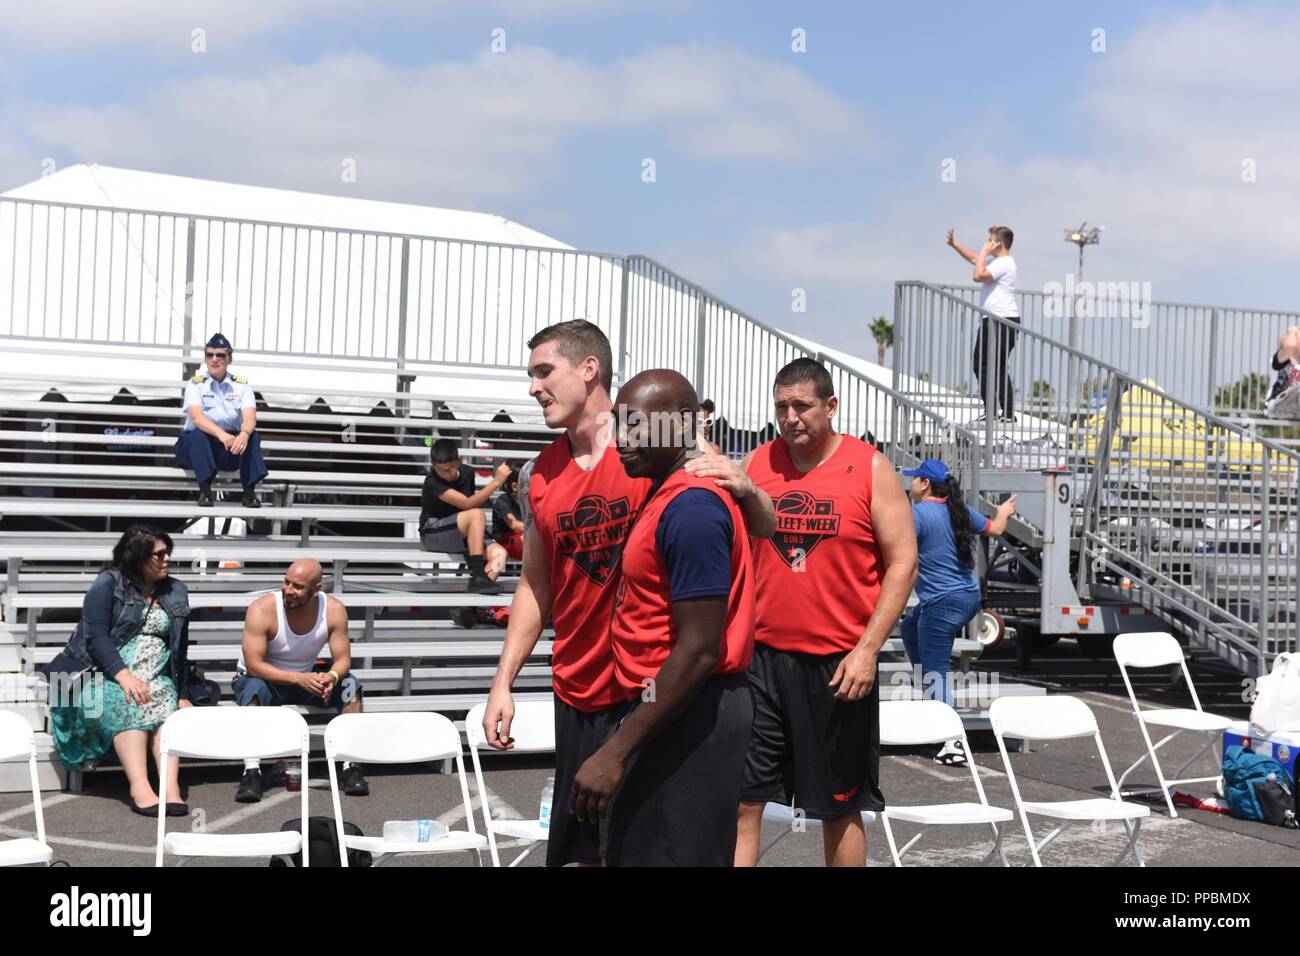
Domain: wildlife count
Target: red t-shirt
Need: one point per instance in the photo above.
(643, 632)
(819, 575)
(582, 518)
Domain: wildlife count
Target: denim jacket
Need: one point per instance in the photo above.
(112, 614)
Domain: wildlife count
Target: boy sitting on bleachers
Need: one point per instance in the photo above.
(507, 524)
(508, 532)
(451, 515)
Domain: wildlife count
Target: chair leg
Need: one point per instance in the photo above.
(1133, 829)
(1054, 834)
(1137, 763)
(1029, 836)
(1210, 741)
(530, 848)
(889, 838)
(785, 831)
(1155, 763)
(997, 850)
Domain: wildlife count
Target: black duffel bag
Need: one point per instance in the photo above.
(323, 843)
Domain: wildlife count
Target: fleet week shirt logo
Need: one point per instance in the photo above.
(802, 523)
(592, 534)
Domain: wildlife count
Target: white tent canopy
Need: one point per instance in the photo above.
(118, 269)
(88, 184)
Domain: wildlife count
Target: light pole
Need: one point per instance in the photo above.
(1082, 236)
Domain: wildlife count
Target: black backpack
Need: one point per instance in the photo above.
(323, 843)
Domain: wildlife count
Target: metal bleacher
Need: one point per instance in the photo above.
(1162, 506)
(83, 453)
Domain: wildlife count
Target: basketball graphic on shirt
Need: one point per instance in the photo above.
(590, 512)
(592, 534)
(802, 522)
(796, 503)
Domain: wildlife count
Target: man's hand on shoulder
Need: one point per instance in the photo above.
(727, 474)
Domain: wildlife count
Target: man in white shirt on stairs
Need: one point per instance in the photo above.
(995, 271)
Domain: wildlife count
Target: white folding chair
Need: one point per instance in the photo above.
(1061, 718)
(402, 737)
(233, 733)
(911, 723)
(793, 820)
(1160, 649)
(533, 730)
(18, 740)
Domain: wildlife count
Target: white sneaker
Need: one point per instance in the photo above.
(951, 754)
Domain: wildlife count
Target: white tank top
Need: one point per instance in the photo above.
(295, 652)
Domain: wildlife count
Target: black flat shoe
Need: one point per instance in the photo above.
(143, 811)
(178, 809)
(250, 787)
(353, 782)
(482, 584)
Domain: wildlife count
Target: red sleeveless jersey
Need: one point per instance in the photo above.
(582, 518)
(819, 575)
(643, 633)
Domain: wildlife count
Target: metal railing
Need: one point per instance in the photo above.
(166, 281)
(1199, 510)
(1196, 353)
(163, 280)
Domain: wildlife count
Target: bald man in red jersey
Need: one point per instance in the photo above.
(670, 775)
(580, 504)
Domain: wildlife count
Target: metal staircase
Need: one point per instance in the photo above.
(1179, 510)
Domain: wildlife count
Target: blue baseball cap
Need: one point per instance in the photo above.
(932, 470)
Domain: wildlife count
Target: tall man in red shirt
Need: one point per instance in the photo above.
(831, 582)
(682, 637)
(581, 503)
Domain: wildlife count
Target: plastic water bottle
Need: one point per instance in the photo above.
(548, 794)
(414, 831)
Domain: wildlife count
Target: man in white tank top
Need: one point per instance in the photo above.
(284, 634)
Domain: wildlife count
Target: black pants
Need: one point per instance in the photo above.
(679, 801)
(993, 347)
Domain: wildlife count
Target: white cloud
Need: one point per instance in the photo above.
(157, 24)
(452, 132)
(1163, 128)
(165, 26)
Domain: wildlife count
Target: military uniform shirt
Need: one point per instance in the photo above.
(223, 402)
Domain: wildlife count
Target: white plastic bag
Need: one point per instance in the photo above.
(1277, 703)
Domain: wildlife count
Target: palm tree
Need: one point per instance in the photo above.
(882, 330)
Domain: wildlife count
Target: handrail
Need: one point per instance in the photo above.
(1215, 348)
(945, 286)
(1129, 380)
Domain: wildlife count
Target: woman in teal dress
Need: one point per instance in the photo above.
(118, 678)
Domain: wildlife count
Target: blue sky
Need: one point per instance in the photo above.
(775, 170)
